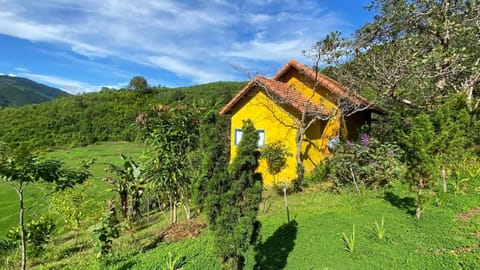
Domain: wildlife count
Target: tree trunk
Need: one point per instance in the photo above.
(298, 157)
(419, 199)
(188, 212)
(124, 203)
(23, 244)
(444, 178)
(173, 211)
(354, 180)
(174, 214)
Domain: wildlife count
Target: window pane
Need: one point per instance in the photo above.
(238, 136)
(261, 139)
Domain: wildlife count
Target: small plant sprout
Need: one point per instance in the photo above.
(175, 262)
(379, 229)
(349, 241)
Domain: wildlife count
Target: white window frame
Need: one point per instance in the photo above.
(238, 132)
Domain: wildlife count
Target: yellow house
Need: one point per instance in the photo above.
(298, 101)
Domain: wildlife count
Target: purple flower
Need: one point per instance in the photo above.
(349, 143)
(365, 139)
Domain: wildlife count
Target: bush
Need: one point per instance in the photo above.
(37, 234)
(368, 163)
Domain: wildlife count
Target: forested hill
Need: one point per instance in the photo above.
(108, 115)
(21, 91)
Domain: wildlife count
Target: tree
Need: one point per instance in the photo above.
(418, 142)
(172, 134)
(138, 83)
(213, 150)
(129, 183)
(275, 154)
(416, 58)
(234, 219)
(20, 169)
(414, 53)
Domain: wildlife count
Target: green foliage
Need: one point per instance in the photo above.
(138, 83)
(108, 115)
(106, 230)
(349, 240)
(73, 207)
(235, 224)
(418, 143)
(369, 163)
(37, 234)
(172, 134)
(214, 149)
(175, 263)
(275, 154)
(129, 184)
(379, 229)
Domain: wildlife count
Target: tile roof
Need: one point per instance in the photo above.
(281, 94)
(285, 93)
(329, 83)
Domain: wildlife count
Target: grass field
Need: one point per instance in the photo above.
(446, 237)
(313, 239)
(103, 154)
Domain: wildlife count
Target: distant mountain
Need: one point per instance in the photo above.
(21, 91)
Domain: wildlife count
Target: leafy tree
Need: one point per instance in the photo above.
(172, 134)
(138, 83)
(414, 53)
(21, 168)
(275, 154)
(129, 183)
(235, 221)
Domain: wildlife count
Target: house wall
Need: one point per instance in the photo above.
(321, 96)
(278, 124)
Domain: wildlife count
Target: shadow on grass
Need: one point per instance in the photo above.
(407, 204)
(126, 266)
(273, 253)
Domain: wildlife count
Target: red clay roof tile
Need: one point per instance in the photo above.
(287, 93)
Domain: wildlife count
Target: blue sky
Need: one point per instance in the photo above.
(82, 45)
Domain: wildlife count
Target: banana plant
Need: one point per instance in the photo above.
(128, 183)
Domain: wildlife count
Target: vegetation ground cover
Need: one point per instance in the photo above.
(103, 154)
(313, 240)
(443, 239)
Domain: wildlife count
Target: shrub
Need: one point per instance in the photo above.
(106, 230)
(37, 234)
(369, 163)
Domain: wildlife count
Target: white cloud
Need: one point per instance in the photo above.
(68, 85)
(21, 69)
(11, 75)
(190, 38)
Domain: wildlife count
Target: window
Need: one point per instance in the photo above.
(238, 136)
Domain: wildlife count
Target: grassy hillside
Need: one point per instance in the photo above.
(17, 91)
(445, 238)
(108, 115)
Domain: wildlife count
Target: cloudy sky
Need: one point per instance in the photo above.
(82, 45)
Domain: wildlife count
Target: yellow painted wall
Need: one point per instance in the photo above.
(278, 124)
(321, 96)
